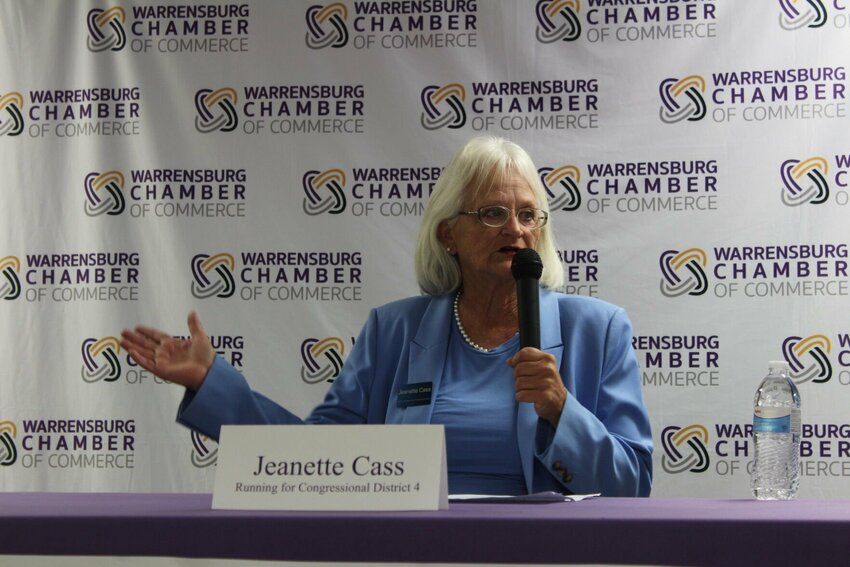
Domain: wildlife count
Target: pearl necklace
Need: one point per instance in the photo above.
(469, 341)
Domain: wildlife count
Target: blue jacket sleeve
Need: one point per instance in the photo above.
(225, 398)
(603, 441)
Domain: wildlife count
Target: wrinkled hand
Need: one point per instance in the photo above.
(183, 362)
(537, 381)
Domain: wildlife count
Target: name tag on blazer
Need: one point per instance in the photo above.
(418, 394)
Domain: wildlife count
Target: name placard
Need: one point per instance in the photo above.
(331, 467)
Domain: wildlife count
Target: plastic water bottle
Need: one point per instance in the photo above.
(776, 433)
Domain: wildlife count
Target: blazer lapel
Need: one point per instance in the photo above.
(428, 355)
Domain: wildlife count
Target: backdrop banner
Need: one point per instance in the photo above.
(267, 163)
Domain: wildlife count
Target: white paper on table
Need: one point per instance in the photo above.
(522, 498)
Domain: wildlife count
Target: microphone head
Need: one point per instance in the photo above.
(526, 264)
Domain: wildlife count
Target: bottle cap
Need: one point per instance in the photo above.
(778, 365)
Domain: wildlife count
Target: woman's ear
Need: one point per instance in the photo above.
(446, 237)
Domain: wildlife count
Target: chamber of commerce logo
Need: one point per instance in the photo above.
(365, 191)
(393, 25)
(10, 284)
(8, 449)
(100, 360)
(325, 192)
(173, 192)
(557, 20)
(213, 275)
(90, 111)
(322, 359)
(814, 350)
(684, 449)
(683, 272)
(562, 187)
(106, 29)
(171, 27)
(798, 14)
(204, 451)
(443, 106)
(804, 181)
(11, 118)
(326, 26)
(682, 99)
(104, 193)
(216, 110)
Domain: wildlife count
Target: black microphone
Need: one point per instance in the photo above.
(526, 268)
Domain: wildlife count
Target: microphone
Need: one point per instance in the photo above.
(526, 268)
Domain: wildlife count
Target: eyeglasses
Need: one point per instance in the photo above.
(496, 216)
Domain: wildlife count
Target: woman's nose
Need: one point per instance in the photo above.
(512, 227)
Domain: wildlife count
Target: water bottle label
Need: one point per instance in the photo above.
(772, 424)
(770, 412)
(796, 421)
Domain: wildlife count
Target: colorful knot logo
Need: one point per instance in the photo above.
(216, 110)
(567, 27)
(681, 99)
(10, 284)
(100, 360)
(676, 440)
(326, 26)
(562, 187)
(673, 263)
(8, 449)
(798, 14)
(202, 455)
(804, 181)
(332, 182)
(104, 193)
(331, 350)
(11, 118)
(435, 99)
(817, 347)
(206, 285)
(101, 38)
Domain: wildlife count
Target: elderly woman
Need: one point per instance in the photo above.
(580, 425)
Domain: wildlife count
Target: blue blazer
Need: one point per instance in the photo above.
(603, 441)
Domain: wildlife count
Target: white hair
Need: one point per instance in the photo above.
(472, 170)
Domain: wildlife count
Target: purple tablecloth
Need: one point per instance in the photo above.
(600, 530)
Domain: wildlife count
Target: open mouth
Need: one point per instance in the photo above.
(509, 250)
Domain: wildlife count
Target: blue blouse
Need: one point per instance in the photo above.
(476, 402)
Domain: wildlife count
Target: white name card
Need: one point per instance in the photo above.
(331, 467)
